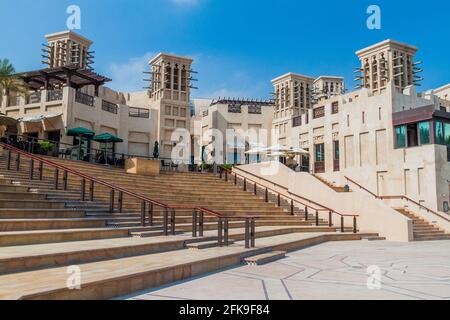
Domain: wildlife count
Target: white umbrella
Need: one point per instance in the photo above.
(278, 148)
(257, 148)
(297, 151)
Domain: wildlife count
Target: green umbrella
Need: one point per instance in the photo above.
(107, 137)
(80, 131)
(156, 150)
(203, 154)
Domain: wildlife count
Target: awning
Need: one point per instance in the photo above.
(39, 118)
(80, 131)
(106, 137)
(7, 121)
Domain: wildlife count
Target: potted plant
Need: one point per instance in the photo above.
(46, 147)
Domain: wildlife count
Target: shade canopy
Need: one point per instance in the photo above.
(7, 121)
(107, 137)
(80, 131)
(70, 75)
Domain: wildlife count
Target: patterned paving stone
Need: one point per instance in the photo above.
(331, 271)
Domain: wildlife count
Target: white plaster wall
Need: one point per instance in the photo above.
(374, 215)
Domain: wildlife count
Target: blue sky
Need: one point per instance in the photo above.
(238, 45)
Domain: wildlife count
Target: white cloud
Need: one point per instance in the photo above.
(185, 3)
(128, 76)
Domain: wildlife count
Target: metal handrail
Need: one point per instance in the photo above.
(293, 201)
(361, 187)
(250, 220)
(398, 197)
(93, 151)
(324, 208)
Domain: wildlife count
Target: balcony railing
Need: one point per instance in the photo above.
(109, 107)
(13, 101)
(254, 110)
(319, 167)
(205, 113)
(318, 112)
(35, 97)
(336, 166)
(335, 108)
(139, 113)
(55, 95)
(84, 98)
(234, 108)
(297, 121)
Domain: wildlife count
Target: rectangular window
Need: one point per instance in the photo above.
(400, 137)
(439, 132)
(320, 152)
(447, 134)
(424, 132)
(413, 136)
(336, 150)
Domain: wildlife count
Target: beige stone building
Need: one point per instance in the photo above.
(386, 136)
(250, 120)
(69, 94)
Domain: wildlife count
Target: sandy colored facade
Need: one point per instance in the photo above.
(250, 119)
(391, 140)
(139, 118)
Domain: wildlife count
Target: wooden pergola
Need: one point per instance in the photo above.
(71, 76)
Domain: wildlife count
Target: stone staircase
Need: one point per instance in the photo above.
(44, 230)
(423, 230)
(329, 184)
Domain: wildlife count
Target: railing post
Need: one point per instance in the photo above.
(111, 201)
(221, 173)
(56, 181)
(166, 222)
(41, 170)
(292, 207)
(235, 179)
(201, 223)
(330, 219)
(226, 175)
(279, 200)
(142, 213)
(194, 223)
(255, 189)
(83, 189)
(245, 184)
(120, 201)
(252, 232)
(150, 214)
(18, 162)
(317, 218)
(172, 221)
(342, 224)
(355, 227)
(91, 190)
(219, 232)
(226, 232)
(8, 161)
(31, 169)
(65, 180)
(306, 214)
(267, 195)
(247, 233)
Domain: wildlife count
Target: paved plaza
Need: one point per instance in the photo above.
(334, 270)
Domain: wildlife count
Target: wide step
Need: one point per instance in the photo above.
(265, 258)
(205, 245)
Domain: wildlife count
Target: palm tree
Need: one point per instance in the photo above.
(9, 82)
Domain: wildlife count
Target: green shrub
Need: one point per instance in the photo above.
(46, 145)
(228, 166)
